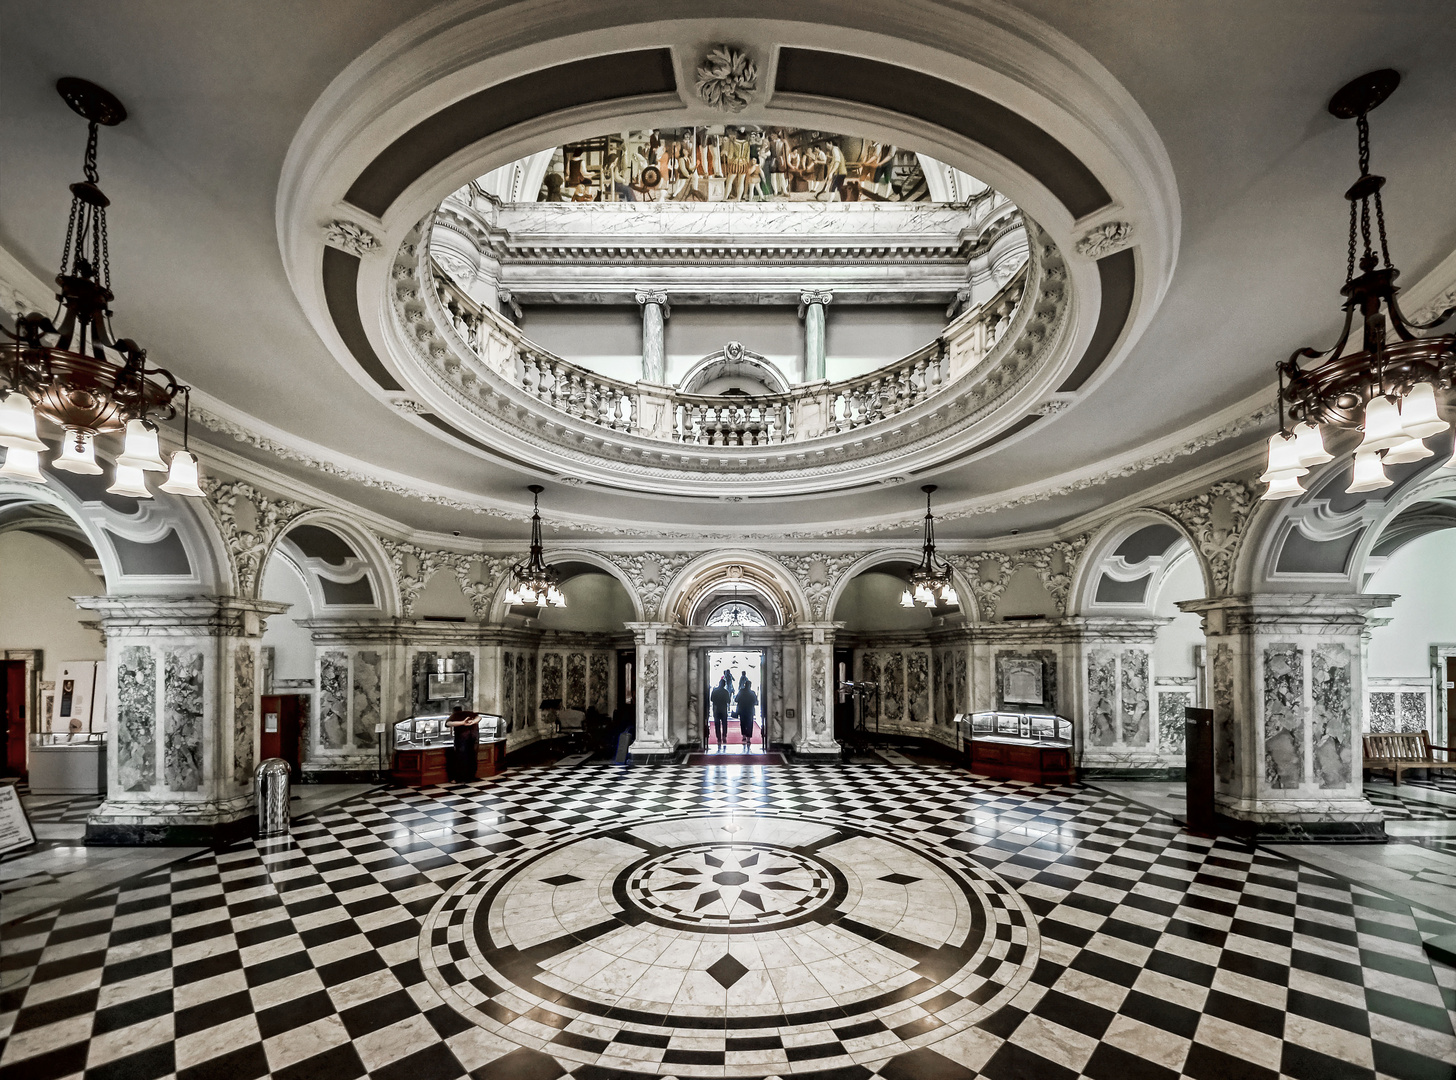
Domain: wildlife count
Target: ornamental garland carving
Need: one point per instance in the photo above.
(819, 587)
(480, 592)
(355, 239)
(1105, 239)
(651, 573)
(247, 548)
(1218, 542)
(1044, 560)
(727, 79)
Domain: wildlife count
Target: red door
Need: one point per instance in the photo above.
(12, 706)
(282, 721)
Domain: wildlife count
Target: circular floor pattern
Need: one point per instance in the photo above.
(705, 945)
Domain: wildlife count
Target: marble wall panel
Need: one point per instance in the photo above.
(244, 714)
(1382, 711)
(1283, 715)
(1332, 714)
(424, 663)
(526, 691)
(1413, 712)
(333, 700)
(600, 681)
(962, 702)
(870, 671)
(465, 662)
(575, 695)
(917, 686)
(368, 682)
(892, 689)
(1101, 697)
(182, 709)
(1225, 747)
(1136, 720)
(508, 689)
(136, 719)
(938, 684)
(1172, 730)
(551, 676)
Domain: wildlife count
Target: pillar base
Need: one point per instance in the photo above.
(125, 824)
(1352, 822)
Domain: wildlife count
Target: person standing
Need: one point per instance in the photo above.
(747, 706)
(721, 697)
(463, 757)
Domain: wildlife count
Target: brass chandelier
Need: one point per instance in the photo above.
(536, 584)
(71, 370)
(932, 576)
(1389, 387)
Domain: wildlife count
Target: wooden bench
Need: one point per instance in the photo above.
(1406, 750)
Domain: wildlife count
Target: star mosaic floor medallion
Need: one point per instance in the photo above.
(781, 930)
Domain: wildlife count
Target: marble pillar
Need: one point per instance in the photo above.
(816, 702)
(657, 647)
(1286, 689)
(655, 313)
(811, 310)
(182, 713)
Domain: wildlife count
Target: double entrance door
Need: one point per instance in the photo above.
(736, 664)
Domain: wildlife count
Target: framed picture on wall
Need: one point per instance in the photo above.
(1021, 680)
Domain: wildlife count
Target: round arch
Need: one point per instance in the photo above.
(868, 562)
(362, 542)
(1099, 557)
(498, 609)
(702, 578)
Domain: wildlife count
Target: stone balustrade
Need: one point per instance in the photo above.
(808, 411)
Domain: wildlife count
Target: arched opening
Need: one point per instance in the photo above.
(1412, 649)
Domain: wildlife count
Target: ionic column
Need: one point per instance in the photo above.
(1286, 687)
(811, 310)
(652, 690)
(182, 717)
(655, 312)
(816, 697)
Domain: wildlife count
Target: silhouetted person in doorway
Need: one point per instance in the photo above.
(747, 706)
(721, 698)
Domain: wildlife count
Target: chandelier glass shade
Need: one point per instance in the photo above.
(534, 584)
(931, 580)
(1387, 388)
(70, 369)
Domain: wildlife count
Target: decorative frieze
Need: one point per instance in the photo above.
(1216, 520)
(818, 575)
(650, 574)
(250, 522)
(1054, 565)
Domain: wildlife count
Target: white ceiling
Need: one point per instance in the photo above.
(1235, 90)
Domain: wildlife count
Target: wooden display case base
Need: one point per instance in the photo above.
(429, 765)
(1034, 763)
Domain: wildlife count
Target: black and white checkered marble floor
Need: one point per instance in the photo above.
(522, 927)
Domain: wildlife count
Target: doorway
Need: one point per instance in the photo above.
(12, 710)
(284, 718)
(736, 663)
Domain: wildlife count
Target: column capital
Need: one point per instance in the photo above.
(654, 296)
(180, 616)
(1274, 612)
(821, 297)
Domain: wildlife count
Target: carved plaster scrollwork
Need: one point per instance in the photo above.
(1217, 539)
(16, 302)
(248, 547)
(1044, 560)
(651, 573)
(1105, 239)
(819, 587)
(355, 239)
(411, 584)
(727, 79)
(479, 591)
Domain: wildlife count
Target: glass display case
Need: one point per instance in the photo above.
(1036, 747)
(418, 732)
(421, 745)
(67, 763)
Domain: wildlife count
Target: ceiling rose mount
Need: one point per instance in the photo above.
(1388, 387)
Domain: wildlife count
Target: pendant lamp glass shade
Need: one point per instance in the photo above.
(1369, 472)
(130, 481)
(1283, 486)
(1283, 458)
(1310, 445)
(906, 600)
(1411, 450)
(182, 480)
(950, 596)
(141, 450)
(22, 463)
(512, 598)
(17, 423)
(1418, 415)
(78, 455)
(1382, 426)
